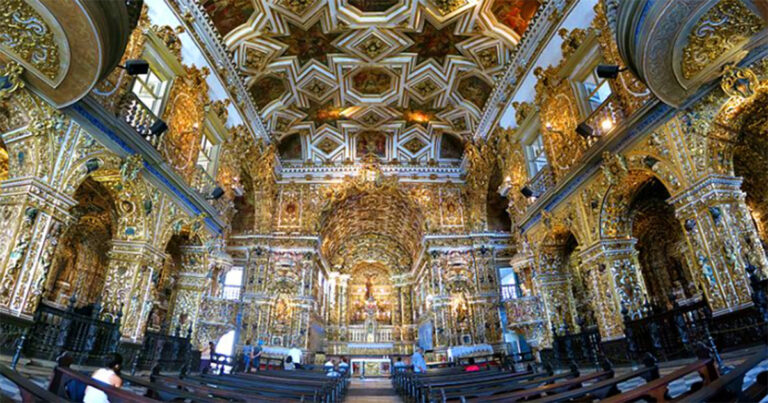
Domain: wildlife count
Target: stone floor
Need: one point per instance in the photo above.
(371, 390)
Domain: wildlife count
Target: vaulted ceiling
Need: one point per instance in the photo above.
(337, 79)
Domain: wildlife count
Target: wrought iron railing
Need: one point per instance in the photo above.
(603, 119)
(542, 181)
(85, 337)
(168, 352)
(140, 117)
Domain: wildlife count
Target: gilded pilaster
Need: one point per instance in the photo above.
(722, 239)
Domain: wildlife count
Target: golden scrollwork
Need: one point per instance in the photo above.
(738, 82)
(10, 79)
(725, 26)
(25, 33)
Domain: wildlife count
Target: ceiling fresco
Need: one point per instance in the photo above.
(355, 77)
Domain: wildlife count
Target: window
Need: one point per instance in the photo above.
(534, 154)
(233, 281)
(509, 285)
(205, 157)
(150, 88)
(596, 90)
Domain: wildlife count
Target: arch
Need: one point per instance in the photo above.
(660, 244)
(640, 167)
(371, 221)
(497, 216)
(79, 265)
(736, 146)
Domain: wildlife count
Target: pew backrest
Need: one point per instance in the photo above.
(63, 376)
(657, 390)
(729, 387)
(29, 391)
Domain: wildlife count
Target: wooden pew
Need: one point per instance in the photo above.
(490, 388)
(269, 389)
(605, 388)
(63, 375)
(204, 390)
(428, 391)
(412, 382)
(728, 388)
(656, 390)
(163, 392)
(553, 388)
(29, 391)
(338, 384)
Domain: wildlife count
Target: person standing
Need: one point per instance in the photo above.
(256, 355)
(205, 357)
(247, 356)
(417, 360)
(110, 376)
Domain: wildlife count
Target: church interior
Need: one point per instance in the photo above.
(364, 200)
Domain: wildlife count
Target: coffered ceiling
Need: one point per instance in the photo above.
(337, 79)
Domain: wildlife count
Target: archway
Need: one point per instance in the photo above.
(496, 205)
(80, 261)
(660, 244)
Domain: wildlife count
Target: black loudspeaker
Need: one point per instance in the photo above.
(136, 67)
(217, 193)
(584, 130)
(158, 128)
(526, 191)
(609, 71)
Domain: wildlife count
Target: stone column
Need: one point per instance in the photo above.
(128, 284)
(722, 239)
(33, 217)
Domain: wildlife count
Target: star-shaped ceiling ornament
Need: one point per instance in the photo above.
(322, 114)
(433, 43)
(310, 44)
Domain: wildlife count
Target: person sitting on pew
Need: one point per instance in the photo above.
(471, 367)
(110, 376)
(343, 365)
(329, 365)
(417, 359)
(288, 365)
(205, 357)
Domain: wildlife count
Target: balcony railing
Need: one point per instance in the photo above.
(510, 291)
(542, 181)
(603, 119)
(140, 117)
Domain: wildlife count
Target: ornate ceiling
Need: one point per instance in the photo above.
(338, 79)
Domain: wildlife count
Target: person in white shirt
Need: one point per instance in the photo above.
(288, 365)
(295, 354)
(110, 376)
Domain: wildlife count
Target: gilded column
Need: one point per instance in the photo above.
(128, 284)
(33, 217)
(190, 286)
(722, 239)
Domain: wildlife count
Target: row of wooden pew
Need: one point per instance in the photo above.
(68, 384)
(494, 384)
